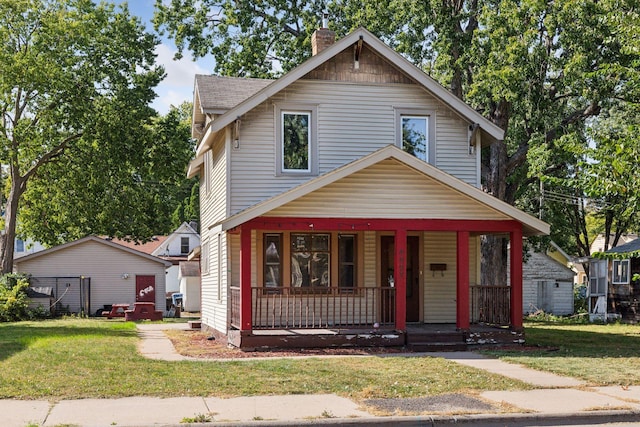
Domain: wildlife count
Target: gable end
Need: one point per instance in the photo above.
(369, 68)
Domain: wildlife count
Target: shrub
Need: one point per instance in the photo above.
(14, 303)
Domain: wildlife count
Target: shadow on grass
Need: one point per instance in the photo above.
(16, 337)
(548, 339)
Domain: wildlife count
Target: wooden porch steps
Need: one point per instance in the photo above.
(436, 341)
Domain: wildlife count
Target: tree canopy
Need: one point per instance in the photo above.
(76, 81)
(541, 70)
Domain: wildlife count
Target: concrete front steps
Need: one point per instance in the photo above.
(429, 341)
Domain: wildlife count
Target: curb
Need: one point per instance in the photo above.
(479, 420)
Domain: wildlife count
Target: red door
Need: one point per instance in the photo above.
(145, 288)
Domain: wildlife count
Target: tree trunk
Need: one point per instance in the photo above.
(7, 240)
(494, 248)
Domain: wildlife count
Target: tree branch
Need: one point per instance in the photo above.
(51, 154)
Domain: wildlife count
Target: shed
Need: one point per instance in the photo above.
(189, 277)
(90, 273)
(547, 285)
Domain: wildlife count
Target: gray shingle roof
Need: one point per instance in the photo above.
(223, 93)
(631, 246)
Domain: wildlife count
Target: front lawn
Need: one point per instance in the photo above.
(82, 358)
(600, 354)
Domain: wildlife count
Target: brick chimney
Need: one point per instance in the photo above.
(322, 38)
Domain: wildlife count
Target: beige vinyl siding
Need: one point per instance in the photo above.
(214, 285)
(370, 260)
(213, 208)
(353, 121)
(439, 288)
(105, 265)
(387, 190)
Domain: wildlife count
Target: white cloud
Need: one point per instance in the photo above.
(177, 86)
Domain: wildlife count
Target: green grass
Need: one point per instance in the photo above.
(82, 358)
(599, 354)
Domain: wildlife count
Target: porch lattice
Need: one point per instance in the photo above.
(491, 305)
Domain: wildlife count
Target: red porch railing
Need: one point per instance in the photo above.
(309, 308)
(491, 305)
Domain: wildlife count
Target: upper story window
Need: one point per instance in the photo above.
(184, 245)
(416, 133)
(296, 140)
(19, 245)
(415, 136)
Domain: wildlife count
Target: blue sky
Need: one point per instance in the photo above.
(177, 86)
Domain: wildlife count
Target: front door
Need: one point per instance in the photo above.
(414, 298)
(145, 288)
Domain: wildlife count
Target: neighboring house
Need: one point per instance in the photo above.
(87, 274)
(598, 243)
(547, 284)
(174, 248)
(613, 293)
(24, 247)
(344, 198)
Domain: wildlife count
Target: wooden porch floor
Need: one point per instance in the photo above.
(417, 337)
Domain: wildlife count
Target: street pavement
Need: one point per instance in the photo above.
(556, 401)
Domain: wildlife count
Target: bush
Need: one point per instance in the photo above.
(14, 303)
(580, 298)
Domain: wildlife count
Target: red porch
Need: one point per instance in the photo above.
(312, 316)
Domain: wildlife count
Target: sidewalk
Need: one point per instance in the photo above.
(559, 398)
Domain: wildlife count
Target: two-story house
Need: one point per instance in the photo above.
(340, 204)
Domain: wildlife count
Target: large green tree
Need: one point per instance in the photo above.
(76, 80)
(124, 190)
(539, 69)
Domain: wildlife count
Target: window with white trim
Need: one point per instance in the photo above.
(620, 272)
(416, 133)
(184, 245)
(296, 140)
(415, 136)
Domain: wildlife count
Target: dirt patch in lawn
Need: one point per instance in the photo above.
(194, 343)
(446, 403)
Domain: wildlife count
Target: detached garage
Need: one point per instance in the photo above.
(88, 274)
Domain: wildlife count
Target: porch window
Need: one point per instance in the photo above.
(620, 273)
(310, 254)
(273, 260)
(347, 261)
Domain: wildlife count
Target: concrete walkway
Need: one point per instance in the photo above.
(558, 398)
